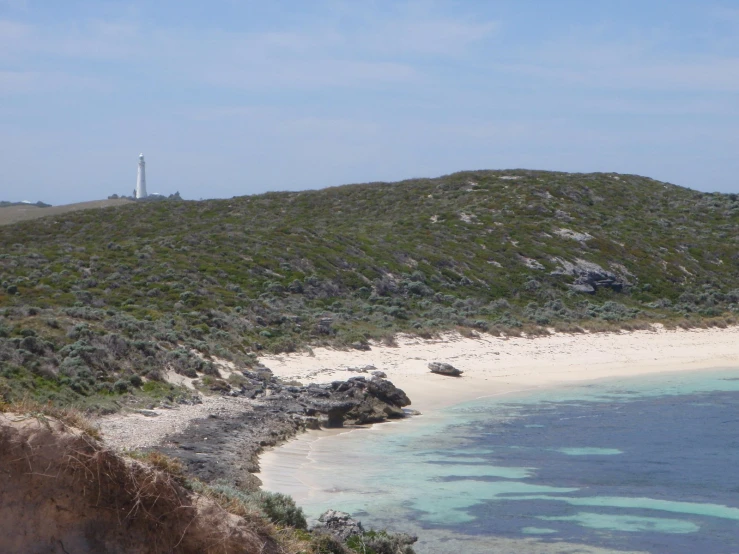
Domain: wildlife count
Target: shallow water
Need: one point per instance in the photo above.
(647, 464)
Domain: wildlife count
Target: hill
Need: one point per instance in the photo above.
(39, 204)
(18, 211)
(98, 303)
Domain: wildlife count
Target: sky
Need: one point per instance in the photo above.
(234, 97)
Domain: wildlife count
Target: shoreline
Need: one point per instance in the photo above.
(317, 469)
(492, 365)
(495, 367)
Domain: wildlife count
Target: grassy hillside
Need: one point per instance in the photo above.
(15, 212)
(94, 300)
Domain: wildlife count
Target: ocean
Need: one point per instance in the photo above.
(648, 464)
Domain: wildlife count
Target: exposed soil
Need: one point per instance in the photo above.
(64, 492)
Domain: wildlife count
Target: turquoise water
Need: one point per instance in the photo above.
(647, 464)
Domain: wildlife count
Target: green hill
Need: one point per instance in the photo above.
(94, 300)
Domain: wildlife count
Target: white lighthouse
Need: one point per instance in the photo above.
(141, 180)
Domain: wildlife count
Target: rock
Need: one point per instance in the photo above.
(323, 326)
(360, 345)
(574, 235)
(379, 374)
(386, 392)
(363, 369)
(587, 289)
(355, 401)
(445, 369)
(531, 263)
(340, 524)
(335, 410)
(589, 276)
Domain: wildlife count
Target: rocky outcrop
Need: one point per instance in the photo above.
(357, 401)
(589, 276)
(340, 524)
(343, 527)
(445, 369)
(228, 447)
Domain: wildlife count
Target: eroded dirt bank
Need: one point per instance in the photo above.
(64, 492)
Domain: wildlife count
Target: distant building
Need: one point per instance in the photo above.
(141, 180)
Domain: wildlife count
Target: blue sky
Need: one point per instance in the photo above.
(232, 97)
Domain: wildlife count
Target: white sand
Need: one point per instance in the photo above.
(494, 365)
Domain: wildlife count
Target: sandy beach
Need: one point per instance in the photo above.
(492, 366)
(495, 365)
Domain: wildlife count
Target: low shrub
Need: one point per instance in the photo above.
(278, 508)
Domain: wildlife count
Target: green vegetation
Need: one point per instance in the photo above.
(278, 508)
(95, 305)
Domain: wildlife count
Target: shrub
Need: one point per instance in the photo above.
(326, 543)
(382, 542)
(278, 508)
(281, 509)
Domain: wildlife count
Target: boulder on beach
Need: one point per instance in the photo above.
(445, 369)
(340, 524)
(343, 527)
(357, 401)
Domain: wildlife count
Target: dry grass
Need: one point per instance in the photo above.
(637, 325)
(14, 214)
(597, 326)
(466, 332)
(565, 327)
(171, 466)
(70, 417)
(536, 331)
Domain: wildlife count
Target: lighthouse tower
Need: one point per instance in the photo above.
(141, 180)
